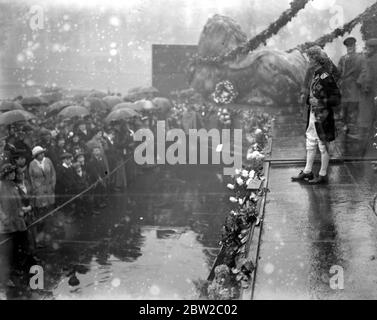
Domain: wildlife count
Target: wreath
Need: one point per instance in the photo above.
(225, 93)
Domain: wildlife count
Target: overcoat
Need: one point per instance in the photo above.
(43, 183)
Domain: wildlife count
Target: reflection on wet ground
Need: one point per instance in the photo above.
(309, 229)
(150, 243)
(313, 233)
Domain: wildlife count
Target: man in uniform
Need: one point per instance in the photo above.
(368, 82)
(323, 96)
(350, 69)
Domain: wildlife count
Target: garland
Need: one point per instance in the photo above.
(225, 93)
(260, 38)
(235, 271)
(339, 32)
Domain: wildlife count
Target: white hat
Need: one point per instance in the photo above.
(37, 150)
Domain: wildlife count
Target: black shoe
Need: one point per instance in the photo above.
(319, 180)
(303, 176)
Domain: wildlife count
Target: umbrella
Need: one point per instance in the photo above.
(144, 105)
(121, 114)
(51, 97)
(10, 105)
(58, 106)
(96, 104)
(129, 105)
(97, 94)
(112, 101)
(143, 90)
(151, 90)
(32, 101)
(140, 93)
(135, 90)
(162, 104)
(13, 116)
(73, 111)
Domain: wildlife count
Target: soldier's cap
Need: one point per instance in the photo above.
(371, 42)
(350, 41)
(66, 155)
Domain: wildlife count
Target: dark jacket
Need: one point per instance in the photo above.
(65, 182)
(96, 169)
(326, 90)
(350, 67)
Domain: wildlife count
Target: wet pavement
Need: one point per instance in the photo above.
(152, 242)
(308, 230)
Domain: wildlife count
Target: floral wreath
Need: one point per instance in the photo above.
(225, 92)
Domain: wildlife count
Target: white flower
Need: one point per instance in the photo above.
(252, 196)
(258, 131)
(237, 171)
(239, 181)
(249, 155)
(240, 201)
(255, 155)
(245, 173)
(233, 199)
(252, 174)
(230, 186)
(249, 180)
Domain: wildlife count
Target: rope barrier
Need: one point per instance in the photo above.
(70, 200)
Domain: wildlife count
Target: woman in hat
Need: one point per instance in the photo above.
(98, 140)
(24, 189)
(58, 149)
(12, 224)
(43, 179)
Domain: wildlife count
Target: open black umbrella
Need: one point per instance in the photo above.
(13, 116)
(150, 90)
(144, 105)
(73, 111)
(10, 105)
(51, 97)
(143, 90)
(121, 114)
(140, 93)
(129, 105)
(97, 94)
(96, 104)
(162, 104)
(58, 106)
(112, 101)
(33, 101)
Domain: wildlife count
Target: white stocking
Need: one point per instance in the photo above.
(325, 159)
(310, 156)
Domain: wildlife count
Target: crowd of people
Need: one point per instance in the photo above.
(71, 165)
(47, 162)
